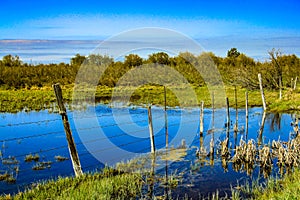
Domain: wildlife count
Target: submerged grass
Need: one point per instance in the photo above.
(110, 184)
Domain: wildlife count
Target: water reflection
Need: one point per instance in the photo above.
(194, 169)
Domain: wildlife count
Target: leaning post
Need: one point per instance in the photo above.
(71, 144)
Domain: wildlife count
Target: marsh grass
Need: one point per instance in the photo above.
(109, 184)
(43, 98)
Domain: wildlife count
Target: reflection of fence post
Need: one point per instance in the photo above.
(71, 143)
(151, 130)
(166, 118)
(261, 129)
(228, 121)
(228, 112)
(262, 92)
(212, 142)
(247, 114)
(201, 118)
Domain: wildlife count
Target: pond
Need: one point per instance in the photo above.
(107, 135)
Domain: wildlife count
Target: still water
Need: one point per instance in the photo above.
(106, 135)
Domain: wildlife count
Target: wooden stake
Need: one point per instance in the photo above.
(166, 118)
(280, 88)
(71, 144)
(228, 121)
(151, 130)
(236, 111)
(262, 92)
(295, 84)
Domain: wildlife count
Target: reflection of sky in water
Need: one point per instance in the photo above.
(55, 51)
(204, 179)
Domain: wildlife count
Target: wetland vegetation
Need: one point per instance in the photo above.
(26, 87)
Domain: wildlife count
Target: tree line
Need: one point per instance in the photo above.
(236, 69)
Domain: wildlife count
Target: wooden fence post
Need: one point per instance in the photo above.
(280, 88)
(262, 92)
(151, 130)
(295, 84)
(71, 144)
(236, 111)
(166, 118)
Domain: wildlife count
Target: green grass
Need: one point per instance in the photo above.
(286, 188)
(110, 184)
(44, 98)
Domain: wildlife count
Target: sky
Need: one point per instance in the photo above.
(235, 21)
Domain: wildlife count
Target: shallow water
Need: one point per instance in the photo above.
(107, 135)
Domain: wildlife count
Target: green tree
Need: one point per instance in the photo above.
(77, 60)
(160, 58)
(11, 61)
(133, 60)
(233, 53)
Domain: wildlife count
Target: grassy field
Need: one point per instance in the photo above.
(110, 184)
(44, 98)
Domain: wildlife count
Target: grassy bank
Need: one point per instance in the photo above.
(285, 188)
(43, 98)
(109, 184)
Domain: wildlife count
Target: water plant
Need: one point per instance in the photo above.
(31, 157)
(60, 158)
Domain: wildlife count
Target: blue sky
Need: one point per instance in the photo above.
(241, 23)
(57, 19)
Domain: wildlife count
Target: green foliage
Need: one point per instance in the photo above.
(110, 184)
(233, 53)
(159, 58)
(235, 69)
(133, 60)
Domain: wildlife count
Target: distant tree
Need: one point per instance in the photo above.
(160, 58)
(11, 61)
(276, 72)
(98, 60)
(77, 60)
(133, 60)
(233, 53)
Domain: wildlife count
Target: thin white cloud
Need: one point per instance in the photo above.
(98, 26)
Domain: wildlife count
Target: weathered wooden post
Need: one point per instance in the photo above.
(280, 88)
(71, 144)
(262, 92)
(166, 118)
(151, 130)
(236, 111)
(295, 84)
